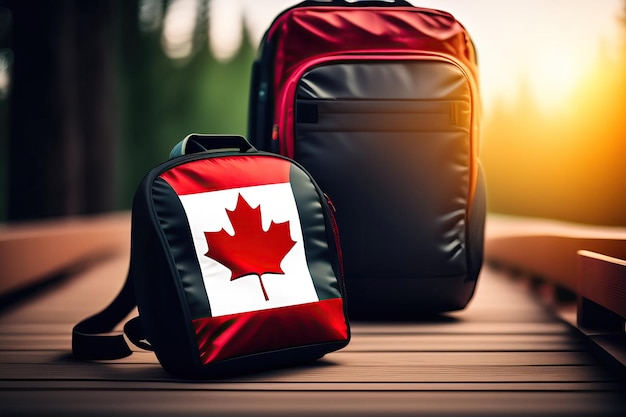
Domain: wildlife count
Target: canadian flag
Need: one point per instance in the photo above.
(233, 258)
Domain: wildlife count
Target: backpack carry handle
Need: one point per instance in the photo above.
(195, 143)
(356, 3)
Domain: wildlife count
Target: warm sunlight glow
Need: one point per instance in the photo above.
(225, 28)
(554, 75)
(178, 28)
(545, 45)
(551, 83)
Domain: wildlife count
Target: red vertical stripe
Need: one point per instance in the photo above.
(242, 334)
(224, 173)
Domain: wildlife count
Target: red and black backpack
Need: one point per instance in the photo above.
(235, 266)
(379, 101)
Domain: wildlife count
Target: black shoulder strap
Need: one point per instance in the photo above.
(89, 338)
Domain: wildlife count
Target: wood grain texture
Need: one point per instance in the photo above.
(95, 403)
(602, 280)
(548, 249)
(505, 354)
(34, 251)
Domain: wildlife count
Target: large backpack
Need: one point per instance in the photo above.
(235, 266)
(380, 103)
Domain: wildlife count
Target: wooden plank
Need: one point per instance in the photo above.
(80, 295)
(548, 249)
(397, 359)
(38, 250)
(96, 403)
(563, 255)
(601, 292)
(466, 327)
(601, 306)
(78, 386)
(464, 343)
(331, 369)
(357, 328)
(374, 343)
(503, 355)
(549, 257)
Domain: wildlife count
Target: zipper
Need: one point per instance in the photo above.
(283, 135)
(335, 231)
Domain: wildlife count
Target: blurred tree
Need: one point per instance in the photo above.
(165, 99)
(96, 102)
(6, 62)
(64, 123)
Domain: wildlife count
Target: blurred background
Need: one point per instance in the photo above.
(95, 93)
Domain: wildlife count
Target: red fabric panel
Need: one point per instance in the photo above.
(227, 172)
(310, 32)
(265, 330)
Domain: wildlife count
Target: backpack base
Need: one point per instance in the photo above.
(407, 298)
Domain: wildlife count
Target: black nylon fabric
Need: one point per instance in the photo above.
(160, 299)
(400, 224)
(478, 214)
(175, 226)
(319, 242)
(391, 149)
(90, 338)
(390, 80)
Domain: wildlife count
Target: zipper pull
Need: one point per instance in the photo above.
(330, 203)
(275, 132)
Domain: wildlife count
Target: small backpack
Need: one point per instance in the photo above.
(379, 101)
(235, 266)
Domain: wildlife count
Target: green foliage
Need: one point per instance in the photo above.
(164, 101)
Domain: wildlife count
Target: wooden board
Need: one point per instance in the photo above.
(547, 248)
(34, 251)
(506, 354)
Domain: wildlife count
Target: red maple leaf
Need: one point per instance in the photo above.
(251, 250)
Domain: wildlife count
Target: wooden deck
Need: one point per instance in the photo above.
(507, 354)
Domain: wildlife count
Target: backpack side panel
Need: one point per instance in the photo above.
(476, 227)
(162, 306)
(321, 244)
